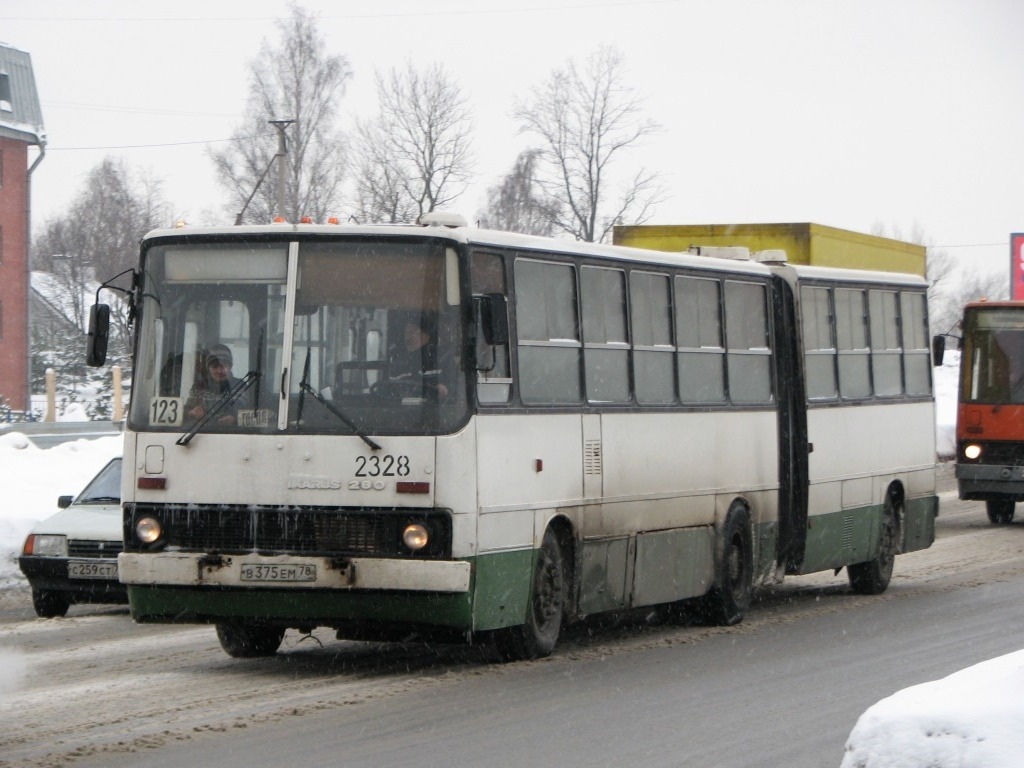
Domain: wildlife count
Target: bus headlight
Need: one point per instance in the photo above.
(415, 536)
(148, 530)
(972, 451)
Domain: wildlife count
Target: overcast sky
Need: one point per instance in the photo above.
(907, 114)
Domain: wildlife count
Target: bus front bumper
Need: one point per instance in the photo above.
(987, 481)
(191, 569)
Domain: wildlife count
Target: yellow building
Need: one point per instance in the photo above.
(803, 243)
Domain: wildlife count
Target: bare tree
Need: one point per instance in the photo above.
(294, 79)
(586, 118)
(515, 204)
(951, 287)
(950, 284)
(100, 234)
(95, 241)
(416, 155)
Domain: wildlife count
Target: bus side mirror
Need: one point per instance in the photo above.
(99, 334)
(938, 349)
(494, 318)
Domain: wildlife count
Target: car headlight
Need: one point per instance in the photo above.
(46, 545)
(415, 536)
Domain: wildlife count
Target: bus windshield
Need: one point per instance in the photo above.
(993, 356)
(365, 339)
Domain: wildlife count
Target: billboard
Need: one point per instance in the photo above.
(1017, 266)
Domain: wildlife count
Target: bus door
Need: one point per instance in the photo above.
(792, 415)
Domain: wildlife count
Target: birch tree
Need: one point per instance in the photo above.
(515, 204)
(415, 155)
(586, 118)
(294, 78)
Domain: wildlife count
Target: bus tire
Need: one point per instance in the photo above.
(49, 604)
(872, 577)
(545, 613)
(245, 640)
(730, 597)
(1000, 511)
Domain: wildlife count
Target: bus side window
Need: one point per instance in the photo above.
(494, 382)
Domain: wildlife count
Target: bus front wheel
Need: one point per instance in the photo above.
(538, 636)
(727, 603)
(1000, 511)
(872, 577)
(244, 640)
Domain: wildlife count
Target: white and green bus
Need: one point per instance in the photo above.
(593, 429)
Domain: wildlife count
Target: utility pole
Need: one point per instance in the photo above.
(281, 123)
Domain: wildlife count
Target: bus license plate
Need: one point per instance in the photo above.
(92, 569)
(278, 572)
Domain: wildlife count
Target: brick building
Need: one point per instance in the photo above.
(21, 127)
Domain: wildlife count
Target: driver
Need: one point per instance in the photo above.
(416, 358)
(218, 380)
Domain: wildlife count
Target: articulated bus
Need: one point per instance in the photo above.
(597, 429)
(990, 407)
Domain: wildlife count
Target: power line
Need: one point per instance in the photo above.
(151, 146)
(133, 110)
(350, 16)
(973, 245)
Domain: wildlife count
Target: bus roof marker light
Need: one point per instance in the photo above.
(442, 219)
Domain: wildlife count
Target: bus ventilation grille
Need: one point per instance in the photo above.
(847, 531)
(592, 457)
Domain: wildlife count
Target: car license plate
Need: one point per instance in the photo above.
(92, 569)
(278, 572)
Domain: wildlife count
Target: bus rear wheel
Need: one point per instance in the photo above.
(872, 577)
(245, 640)
(538, 636)
(727, 603)
(1000, 511)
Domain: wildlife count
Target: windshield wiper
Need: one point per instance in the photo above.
(305, 389)
(226, 399)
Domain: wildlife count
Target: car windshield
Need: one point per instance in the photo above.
(105, 488)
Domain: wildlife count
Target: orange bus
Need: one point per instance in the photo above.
(990, 407)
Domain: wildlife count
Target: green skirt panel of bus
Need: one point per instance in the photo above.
(838, 539)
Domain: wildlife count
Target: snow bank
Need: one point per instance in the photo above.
(971, 719)
(945, 380)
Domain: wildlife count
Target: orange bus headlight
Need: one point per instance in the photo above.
(972, 451)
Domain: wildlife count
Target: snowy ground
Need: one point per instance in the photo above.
(969, 719)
